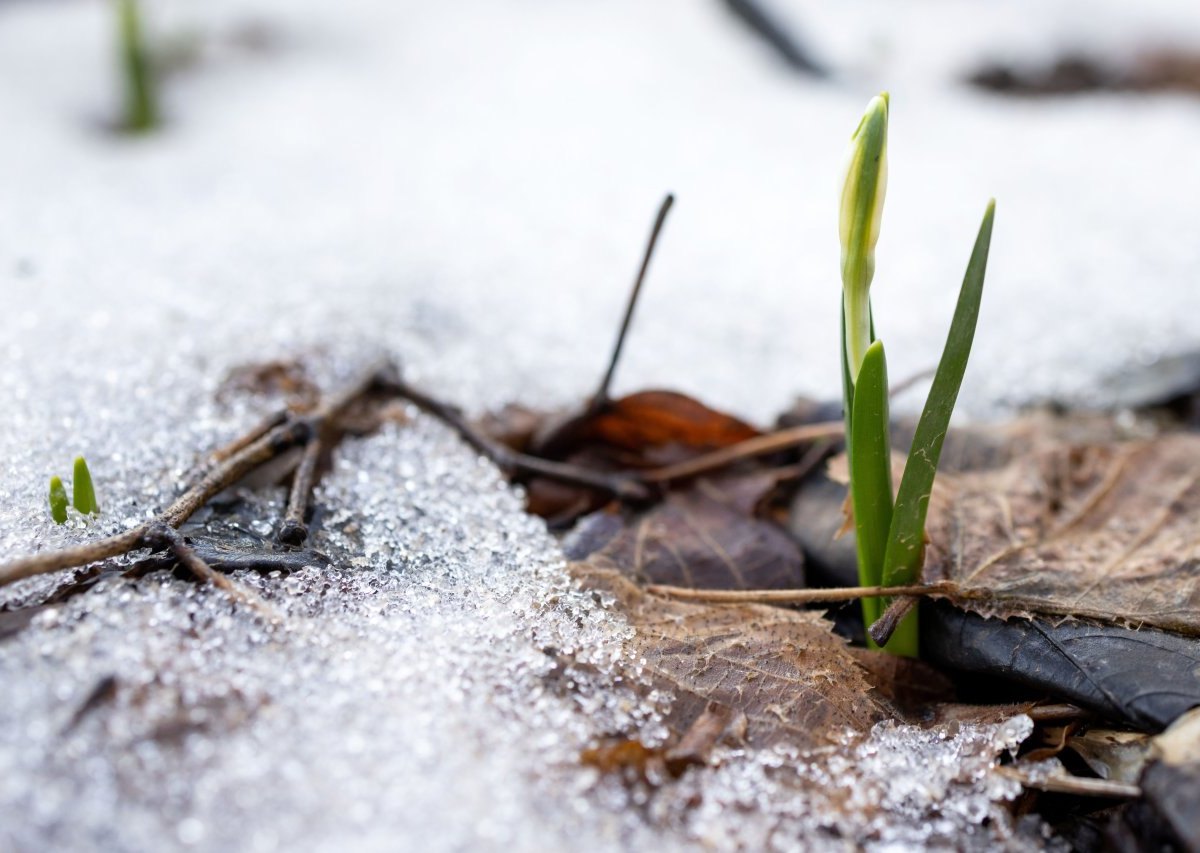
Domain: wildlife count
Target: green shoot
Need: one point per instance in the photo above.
(83, 495)
(871, 472)
(58, 501)
(137, 72)
(890, 536)
(906, 540)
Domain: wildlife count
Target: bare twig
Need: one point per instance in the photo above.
(812, 457)
(624, 486)
(1057, 711)
(168, 538)
(256, 432)
(261, 444)
(601, 396)
(294, 531)
(905, 384)
(1063, 783)
(773, 442)
(789, 596)
(881, 629)
(162, 537)
(763, 23)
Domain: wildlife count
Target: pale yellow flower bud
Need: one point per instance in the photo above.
(863, 193)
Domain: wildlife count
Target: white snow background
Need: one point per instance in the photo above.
(468, 186)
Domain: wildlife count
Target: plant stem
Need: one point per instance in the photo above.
(856, 306)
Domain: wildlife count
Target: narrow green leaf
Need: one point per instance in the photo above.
(906, 542)
(871, 471)
(83, 495)
(58, 501)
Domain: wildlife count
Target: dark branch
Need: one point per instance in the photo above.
(601, 397)
(621, 486)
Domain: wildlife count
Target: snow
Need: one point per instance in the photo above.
(467, 186)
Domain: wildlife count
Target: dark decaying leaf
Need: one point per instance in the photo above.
(1102, 531)
(287, 378)
(705, 537)
(1166, 817)
(1145, 678)
(791, 677)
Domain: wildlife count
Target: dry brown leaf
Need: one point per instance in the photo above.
(655, 427)
(648, 429)
(791, 677)
(1106, 531)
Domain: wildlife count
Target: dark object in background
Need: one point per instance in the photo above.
(1143, 678)
(1171, 803)
(758, 17)
(1165, 818)
(1169, 385)
(1076, 73)
(814, 519)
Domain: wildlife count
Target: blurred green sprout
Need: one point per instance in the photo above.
(890, 533)
(141, 112)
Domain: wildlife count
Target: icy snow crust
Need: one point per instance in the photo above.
(434, 689)
(467, 186)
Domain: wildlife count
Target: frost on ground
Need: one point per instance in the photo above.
(434, 687)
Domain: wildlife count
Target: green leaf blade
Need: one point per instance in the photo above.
(906, 540)
(871, 471)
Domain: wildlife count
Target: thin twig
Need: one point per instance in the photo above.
(881, 629)
(601, 396)
(624, 486)
(813, 457)
(168, 538)
(772, 442)
(68, 558)
(1083, 786)
(294, 531)
(905, 384)
(789, 596)
(162, 537)
(1056, 712)
(256, 432)
(252, 450)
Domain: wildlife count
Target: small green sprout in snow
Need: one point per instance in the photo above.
(137, 70)
(83, 495)
(890, 534)
(58, 501)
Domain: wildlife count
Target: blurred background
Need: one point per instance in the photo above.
(470, 184)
